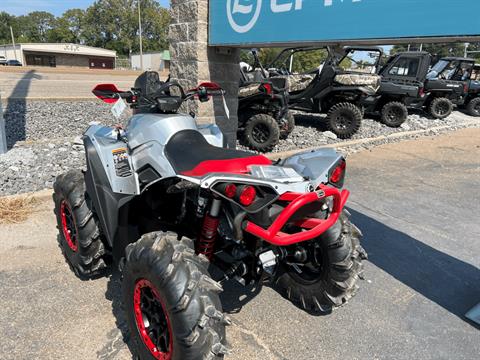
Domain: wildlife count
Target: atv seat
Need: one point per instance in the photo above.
(190, 154)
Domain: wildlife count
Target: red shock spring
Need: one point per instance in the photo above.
(208, 236)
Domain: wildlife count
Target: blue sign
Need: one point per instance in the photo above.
(250, 22)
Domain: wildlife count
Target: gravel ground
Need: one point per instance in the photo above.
(44, 137)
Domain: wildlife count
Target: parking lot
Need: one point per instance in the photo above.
(41, 83)
(417, 205)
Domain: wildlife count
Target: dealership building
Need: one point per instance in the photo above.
(60, 55)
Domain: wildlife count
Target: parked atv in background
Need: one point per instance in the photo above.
(336, 88)
(263, 116)
(472, 100)
(409, 82)
(163, 200)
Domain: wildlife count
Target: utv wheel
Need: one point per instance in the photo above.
(440, 108)
(344, 120)
(394, 114)
(80, 239)
(287, 125)
(473, 107)
(329, 277)
(261, 133)
(172, 305)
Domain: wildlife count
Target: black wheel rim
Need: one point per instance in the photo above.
(152, 320)
(342, 122)
(260, 133)
(311, 271)
(394, 114)
(442, 108)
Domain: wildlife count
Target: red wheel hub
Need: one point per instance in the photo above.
(69, 228)
(152, 320)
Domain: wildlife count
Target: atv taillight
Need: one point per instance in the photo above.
(421, 92)
(465, 88)
(338, 174)
(247, 195)
(230, 190)
(267, 88)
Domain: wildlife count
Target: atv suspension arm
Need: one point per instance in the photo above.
(313, 227)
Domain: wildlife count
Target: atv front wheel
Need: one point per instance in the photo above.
(344, 120)
(80, 239)
(172, 305)
(261, 132)
(473, 107)
(440, 108)
(394, 114)
(328, 279)
(287, 125)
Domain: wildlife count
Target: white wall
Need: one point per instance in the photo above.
(9, 53)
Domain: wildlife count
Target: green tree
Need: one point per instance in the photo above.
(34, 27)
(6, 20)
(69, 27)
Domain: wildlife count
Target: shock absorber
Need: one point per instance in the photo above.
(209, 231)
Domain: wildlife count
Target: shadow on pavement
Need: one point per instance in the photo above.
(441, 278)
(114, 294)
(15, 112)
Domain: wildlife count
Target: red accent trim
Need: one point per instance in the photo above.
(137, 294)
(67, 232)
(234, 166)
(315, 227)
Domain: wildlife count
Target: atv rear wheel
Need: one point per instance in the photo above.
(344, 120)
(261, 132)
(172, 305)
(329, 278)
(80, 239)
(473, 107)
(440, 108)
(287, 125)
(394, 114)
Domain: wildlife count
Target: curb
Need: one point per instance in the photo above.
(284, 154)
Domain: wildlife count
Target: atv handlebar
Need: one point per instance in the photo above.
(314, 227)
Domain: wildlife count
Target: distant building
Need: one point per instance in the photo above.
(157, 61)
(60, 55)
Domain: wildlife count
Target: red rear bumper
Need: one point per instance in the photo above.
(313, 227)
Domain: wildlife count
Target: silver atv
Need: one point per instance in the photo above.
(170, 206)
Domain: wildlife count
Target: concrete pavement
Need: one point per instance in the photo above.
(417, 203)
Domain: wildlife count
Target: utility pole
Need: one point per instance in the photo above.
(421, 47)
(140, 35)
(3, 137)
(13, 43)
(465, 54)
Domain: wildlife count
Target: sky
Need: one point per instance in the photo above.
(56, 7)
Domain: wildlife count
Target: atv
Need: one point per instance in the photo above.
(263, 116)
(472, 100)
(163, 201)
(409, 82)
(332, 88)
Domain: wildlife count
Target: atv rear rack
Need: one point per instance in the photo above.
(313, 227)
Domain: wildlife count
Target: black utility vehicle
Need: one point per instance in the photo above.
(409, 82)
(336, 87)
(263, 116)
(472, 100)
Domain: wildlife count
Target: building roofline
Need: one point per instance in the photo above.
(65, 43)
